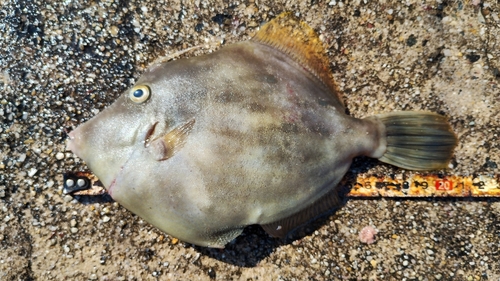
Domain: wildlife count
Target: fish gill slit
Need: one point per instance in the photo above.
(149, 134)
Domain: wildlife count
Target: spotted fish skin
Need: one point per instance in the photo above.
(245, 135)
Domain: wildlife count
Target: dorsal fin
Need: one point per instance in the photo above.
(299, 41)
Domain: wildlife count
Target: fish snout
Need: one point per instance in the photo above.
(74, 142)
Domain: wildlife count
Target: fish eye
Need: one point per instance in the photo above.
(139, 94)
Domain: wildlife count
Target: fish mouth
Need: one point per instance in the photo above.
(115, 182)
(111, 186)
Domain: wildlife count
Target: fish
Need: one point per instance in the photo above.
(253, 133)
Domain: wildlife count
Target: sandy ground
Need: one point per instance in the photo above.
(61, 62)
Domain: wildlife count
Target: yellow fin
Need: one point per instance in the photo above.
(298, 40)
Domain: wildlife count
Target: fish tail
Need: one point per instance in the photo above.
(417, 140)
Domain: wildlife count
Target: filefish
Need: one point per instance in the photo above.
(254, 133)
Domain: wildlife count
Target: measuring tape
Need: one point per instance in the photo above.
(87, 184)
(426, 186)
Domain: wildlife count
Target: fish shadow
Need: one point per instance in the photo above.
(255, 245)
(93, 199)
(246, 250)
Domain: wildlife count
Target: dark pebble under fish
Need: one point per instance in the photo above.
(254, 133)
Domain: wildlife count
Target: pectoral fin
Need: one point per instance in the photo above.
(164, 147)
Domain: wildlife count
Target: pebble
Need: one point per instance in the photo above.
(106, 219)
(32, 172)
(59, 156)
(105, 211)
(66, 248)
(113, 30)
(49, 183)
(74, 230)
(21, 158)
(447, 52)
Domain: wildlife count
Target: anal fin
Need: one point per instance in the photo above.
(326, 203)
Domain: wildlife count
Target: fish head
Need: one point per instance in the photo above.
(106, 141)
(141, 128)
(138, 147)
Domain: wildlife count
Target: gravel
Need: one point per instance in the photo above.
(61, 62)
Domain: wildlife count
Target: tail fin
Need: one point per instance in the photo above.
(417, 140)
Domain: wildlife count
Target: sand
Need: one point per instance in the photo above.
(61, 62)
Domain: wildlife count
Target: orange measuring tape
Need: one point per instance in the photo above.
(426, 186)
(87, 184)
